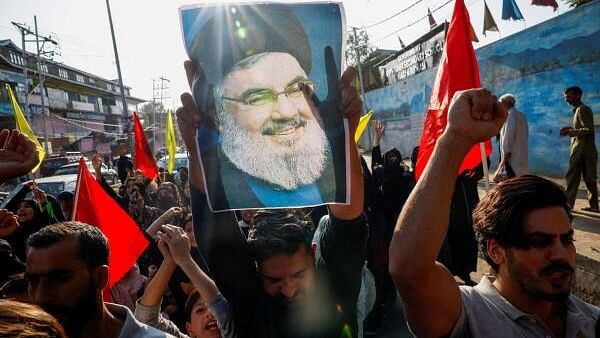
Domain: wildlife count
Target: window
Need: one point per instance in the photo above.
(80, 78)
(92, 81)
(43, 67)
(63, 73)
(16, 58)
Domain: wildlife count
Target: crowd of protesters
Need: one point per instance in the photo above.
(315, 272)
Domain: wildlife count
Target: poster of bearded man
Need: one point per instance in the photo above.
(266, 85)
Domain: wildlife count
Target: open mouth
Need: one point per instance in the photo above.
(211, 325)
(559, 274)
(286, 131)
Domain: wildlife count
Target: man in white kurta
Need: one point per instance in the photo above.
(513, 137)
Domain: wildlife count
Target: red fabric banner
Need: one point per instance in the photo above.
(95, 207)
(144, 160)
(457, 70)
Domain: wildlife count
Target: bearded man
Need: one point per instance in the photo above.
(264, 142)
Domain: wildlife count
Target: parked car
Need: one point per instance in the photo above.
(50, 185)
(110, 175)
(52, 162)
(181, 160)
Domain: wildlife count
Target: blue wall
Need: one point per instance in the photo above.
(536, 65)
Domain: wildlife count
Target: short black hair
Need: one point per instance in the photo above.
(189, 305)
(93, 245)
(279, 231)
(499, 215)
(574, 89)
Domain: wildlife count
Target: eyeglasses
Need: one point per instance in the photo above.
(265, 97)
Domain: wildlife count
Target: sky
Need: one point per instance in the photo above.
(150, 43)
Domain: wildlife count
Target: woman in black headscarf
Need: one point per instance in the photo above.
(30, 219)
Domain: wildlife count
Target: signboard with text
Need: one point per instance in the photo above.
(420, 55)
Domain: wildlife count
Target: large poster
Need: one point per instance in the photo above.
(267, 87)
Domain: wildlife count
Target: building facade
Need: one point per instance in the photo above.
(536, 65)
(76, 104)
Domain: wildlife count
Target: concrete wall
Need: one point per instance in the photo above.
(536, 65)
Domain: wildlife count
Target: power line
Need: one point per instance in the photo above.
(84, 127)
(393, 16)
(412, 23)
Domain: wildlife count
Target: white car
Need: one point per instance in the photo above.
(110, 175)
(52, 185)
(181, 160)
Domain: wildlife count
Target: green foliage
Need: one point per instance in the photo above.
(577, 3)
(148, 112)
(357, 47)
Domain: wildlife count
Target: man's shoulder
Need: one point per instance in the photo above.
(124, 160)
(483, 307)
(521, 114)
(583, 108)
(583, 308)
(132, 328)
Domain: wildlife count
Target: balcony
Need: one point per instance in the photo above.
(83, 106)
(57, 103)
(112, 109)
(36, 99)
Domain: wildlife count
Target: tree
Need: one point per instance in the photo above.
(577, 3)
(358, 46)
(148, 112)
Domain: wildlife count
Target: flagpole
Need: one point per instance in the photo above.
(486, 171)
(126, 129)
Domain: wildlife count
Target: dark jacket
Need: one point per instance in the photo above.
(232, 267)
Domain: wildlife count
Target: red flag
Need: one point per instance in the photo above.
(457, 70)
(551, 3)
(125, 239)
(144, 160)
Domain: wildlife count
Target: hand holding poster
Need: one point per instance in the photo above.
(267, 87)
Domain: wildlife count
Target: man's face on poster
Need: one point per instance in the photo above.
(269, 128)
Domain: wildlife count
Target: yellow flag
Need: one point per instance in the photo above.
(170, 143)
(362, 125)
(24, 128)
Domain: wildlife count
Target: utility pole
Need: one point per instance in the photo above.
(360, 79)
(41, 84)
(24, 32)
(153, 116)
(162, 97)
(126, 129)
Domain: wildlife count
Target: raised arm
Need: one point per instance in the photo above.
(179, 249)
(147, 308)
(431, 297)
(351, 108)
(378, 130)
(220, 240)
(159, 284)
(166, 217)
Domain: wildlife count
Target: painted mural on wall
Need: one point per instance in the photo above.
(536, 65)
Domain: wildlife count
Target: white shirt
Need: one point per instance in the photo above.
(513, 140)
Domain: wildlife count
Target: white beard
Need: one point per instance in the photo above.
(288, 166)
